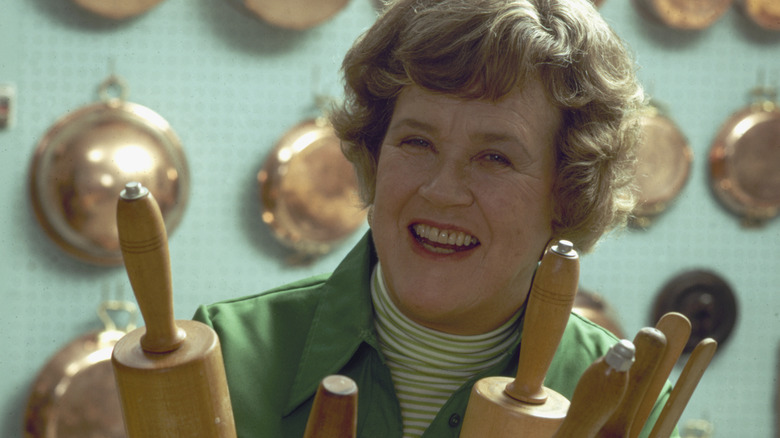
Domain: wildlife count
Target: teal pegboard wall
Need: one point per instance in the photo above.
(230, 85)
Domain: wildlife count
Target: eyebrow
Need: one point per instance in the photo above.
(479, 137)
(415, 124)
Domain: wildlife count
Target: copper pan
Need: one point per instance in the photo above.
(75, 394)
(295, 14)
(117, 9)
(83, 162)
(745, 160)
(664, 162)
(764, 13)
(685, 14)
(308, 190)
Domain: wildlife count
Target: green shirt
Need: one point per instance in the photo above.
(278, 345)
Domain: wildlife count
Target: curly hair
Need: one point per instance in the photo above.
(483, 49)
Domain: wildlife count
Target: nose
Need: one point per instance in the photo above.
(447, 185)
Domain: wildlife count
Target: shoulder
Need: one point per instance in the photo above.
(295, 295)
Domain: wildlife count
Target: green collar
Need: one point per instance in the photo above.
(343, 320)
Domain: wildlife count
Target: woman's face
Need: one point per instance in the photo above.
(463, 204)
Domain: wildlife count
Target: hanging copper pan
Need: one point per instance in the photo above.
(295, 14)
(308, 190)
(745, 161)
(117, 9)
(765, 13)
(663, 165)
(685, 14)
(84, 161)
(75, 394)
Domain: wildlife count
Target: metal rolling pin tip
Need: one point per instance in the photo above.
(563, 247)
(621, 356)
(134, 190)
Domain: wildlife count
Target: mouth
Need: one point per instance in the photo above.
(442, 241)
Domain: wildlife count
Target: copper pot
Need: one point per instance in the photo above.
(745, 160)
(117, 10)
(685, 14)
(663, 164)
(765, 13)
(308, 190)
(83, 162)
(75, 394)
(295, 14)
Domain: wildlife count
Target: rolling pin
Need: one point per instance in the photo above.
(500, 406)
(170, 374)
(334, 412)
(650, 344)
(598, 393)
(692, 372)
(677, 329)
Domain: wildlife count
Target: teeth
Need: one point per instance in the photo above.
(433, 234)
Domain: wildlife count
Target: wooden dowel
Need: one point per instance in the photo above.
(683, 389)
(677, 329)
(650, 344)
(334, 412)
(598, 393)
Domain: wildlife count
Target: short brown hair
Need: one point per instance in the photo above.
(483, 49)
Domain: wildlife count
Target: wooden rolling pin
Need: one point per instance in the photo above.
(503, 407)
(170, 374)
(650, 344)
(598, 393)
(677, 329)
(692, 372)
(334, 412)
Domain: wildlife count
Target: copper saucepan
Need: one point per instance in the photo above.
(764, 13)
(745, 160)
(295, 14)
(308, 190)
(685, 14)
(87, 157)
(75, 394)
(664, 162)
(117, 9)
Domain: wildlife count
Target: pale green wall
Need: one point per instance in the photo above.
(231, 85)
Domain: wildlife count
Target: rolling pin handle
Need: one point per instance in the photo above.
(144, 244)
(547, 312)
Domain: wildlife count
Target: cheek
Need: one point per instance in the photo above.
(395, 174)
(522, 212)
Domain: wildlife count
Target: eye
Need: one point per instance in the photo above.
(416, 143)
(495, 159)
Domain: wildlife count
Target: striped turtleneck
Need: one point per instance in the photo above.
(426, 365)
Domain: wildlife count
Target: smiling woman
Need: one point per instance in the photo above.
(475, 167)
(479, 131)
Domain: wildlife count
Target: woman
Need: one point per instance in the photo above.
(480, 130)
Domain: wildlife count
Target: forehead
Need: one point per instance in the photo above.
(523, 111)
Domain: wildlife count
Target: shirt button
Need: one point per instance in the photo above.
(454, 420)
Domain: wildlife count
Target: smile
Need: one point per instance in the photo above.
(443, 241)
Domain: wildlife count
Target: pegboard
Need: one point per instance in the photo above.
(230, 85)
